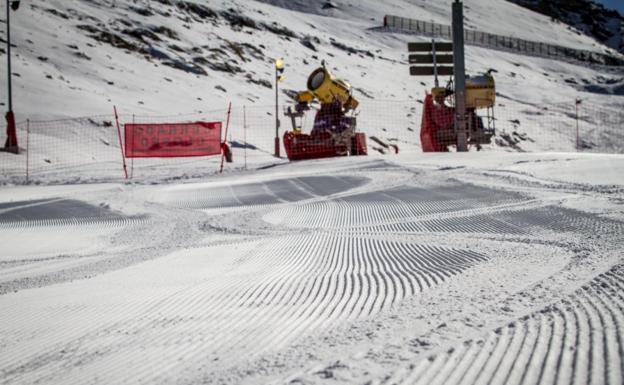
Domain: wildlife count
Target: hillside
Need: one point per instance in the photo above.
(585, 16)
(171, 57)
(80, 57)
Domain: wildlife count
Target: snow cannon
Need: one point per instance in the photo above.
(334, 129)
(328, 89)
(437, 130)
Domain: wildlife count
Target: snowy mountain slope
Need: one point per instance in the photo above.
(588, 17)
(155, 60)
(166, 57)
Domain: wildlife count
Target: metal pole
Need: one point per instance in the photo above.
(8, 19)
(435, 63)
(27, 150)
(460, 76)
(11, 144)
(121, 148)
(245, 134)
(277, 121)
(576, 104)
(132, 159)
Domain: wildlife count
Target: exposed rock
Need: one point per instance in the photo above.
(279, 30)
(261, 82)
(238, 20)
(308, 42)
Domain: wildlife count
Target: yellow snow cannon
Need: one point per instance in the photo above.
(334, 130)
(327, 89)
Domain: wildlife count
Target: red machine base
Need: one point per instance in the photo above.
(321, 145)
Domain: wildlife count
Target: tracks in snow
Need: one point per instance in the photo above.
(58, 213)
(261, 193)
(279, 290)
(579, 340)
(179, 314)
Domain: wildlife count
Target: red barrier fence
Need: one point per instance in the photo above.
(172, 140)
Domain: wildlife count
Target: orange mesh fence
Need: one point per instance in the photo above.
(87, 149)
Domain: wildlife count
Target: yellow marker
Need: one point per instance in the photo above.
(279, 64)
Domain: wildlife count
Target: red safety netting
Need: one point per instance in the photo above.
(169, 140)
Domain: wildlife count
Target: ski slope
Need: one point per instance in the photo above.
(458, 274)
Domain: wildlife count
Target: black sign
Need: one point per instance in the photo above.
(428, 59)
(428, 47)
(428, 71)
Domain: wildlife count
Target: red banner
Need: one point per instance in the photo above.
(161, 140)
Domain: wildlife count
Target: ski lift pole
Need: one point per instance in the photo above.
(459, 65)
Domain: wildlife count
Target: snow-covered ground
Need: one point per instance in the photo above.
(491, 267)
(424, 269)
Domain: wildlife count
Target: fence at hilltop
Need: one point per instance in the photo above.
(500, 42)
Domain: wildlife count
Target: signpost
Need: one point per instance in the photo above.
(427, 57)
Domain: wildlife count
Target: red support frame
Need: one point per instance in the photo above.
(123, 157)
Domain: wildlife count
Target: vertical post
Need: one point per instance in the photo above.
(578, 139)
(132, 159)
(435, 63)
(227, 126)
(11, 144)
(245, 134)
(277, 121)
(8, 20)
(459, 65)
(123, 157)
(27, 150)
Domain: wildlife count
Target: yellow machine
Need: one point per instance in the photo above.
(480, 92)
(335, 97)
(437, 131)
(327, 89)
(333, 132)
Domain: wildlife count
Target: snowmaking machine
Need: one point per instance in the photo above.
(437, 130)
(334, 129)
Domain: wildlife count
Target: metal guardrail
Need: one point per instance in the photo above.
(502, 43)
